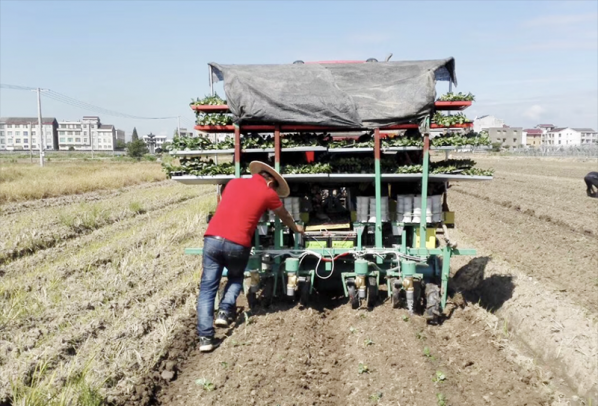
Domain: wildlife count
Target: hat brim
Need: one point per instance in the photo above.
(283, 189)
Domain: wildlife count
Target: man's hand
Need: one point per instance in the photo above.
(299, 229)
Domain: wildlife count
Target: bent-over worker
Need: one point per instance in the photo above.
(227, 242)
(591, 180)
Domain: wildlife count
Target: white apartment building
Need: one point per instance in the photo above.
(563, 136)
(79, 135)
(486, 122)
(588, 135)
(21, 133)
(158, 139)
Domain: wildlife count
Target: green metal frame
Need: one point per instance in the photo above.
(383, 265)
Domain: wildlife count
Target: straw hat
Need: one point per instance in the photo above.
(283, 187)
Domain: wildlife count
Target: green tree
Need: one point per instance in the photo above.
(120, 145)
(134, 137)
(137, 149)
(176, 132)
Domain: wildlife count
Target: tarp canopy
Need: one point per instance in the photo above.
(356, 95)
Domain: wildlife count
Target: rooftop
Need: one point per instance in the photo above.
(533, 131)
(545, 125)
(585, 130)
(27, 120)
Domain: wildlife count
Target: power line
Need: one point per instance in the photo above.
(83, 105)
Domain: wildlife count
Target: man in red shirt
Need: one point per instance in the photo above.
(227, 242)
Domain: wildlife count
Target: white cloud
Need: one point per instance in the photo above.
(534, 112)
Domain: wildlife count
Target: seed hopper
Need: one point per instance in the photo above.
(373, 202)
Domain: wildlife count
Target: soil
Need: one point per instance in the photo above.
(521, 326)
(312, 356)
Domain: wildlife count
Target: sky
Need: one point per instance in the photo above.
(527, 62)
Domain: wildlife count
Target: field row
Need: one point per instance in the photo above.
(26, 232)
(94, 316)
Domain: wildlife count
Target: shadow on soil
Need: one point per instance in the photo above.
(491, 293)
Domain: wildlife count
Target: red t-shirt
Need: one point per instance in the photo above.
(243, 202)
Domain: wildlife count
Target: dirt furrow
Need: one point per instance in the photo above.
(330, 354)
(558, 257)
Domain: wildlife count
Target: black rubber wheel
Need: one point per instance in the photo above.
(432, 312)
(251, 299)
(396, 298)
(353, 297)
(372, 292)
(304, 289)
(268, 292)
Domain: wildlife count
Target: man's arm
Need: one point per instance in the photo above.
(287, 220)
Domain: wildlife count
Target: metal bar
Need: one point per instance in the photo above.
(446, 269)
(424, 195)
(237, 151)
(378, 186)
(277, 226)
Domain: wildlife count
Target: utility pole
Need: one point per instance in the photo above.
(90, 138)
(39, 126)
(178, 126)
(30, 143)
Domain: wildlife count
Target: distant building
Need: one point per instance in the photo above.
(120, 135)
(187, 133)
(486, 122)
(21, 133)
(562, 136)
(158, 139)
(533, 137)
(80, 134)
(588, 135)
(509, 137)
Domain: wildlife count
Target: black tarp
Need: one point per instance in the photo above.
(353, 95)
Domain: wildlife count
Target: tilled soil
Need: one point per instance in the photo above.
(121, 299)
(329, 354)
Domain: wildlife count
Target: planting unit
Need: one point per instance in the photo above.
(364, 230)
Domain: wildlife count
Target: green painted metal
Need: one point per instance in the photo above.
(378, 187)
(292, 265)
(404, 240)
(424, 193)
(255, 262)
(344, 277)
(446, 269)
(408, 268)
(193, 251)
(361, 267)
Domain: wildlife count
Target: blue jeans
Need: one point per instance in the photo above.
(218, 254)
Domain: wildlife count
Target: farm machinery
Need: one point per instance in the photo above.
(354, 141)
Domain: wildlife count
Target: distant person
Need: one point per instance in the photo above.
(227, 243)
(591, 180)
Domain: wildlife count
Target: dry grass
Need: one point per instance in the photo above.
(20, 182)
(85, 322)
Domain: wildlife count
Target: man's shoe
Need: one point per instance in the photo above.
(223, 319)
(206, 344)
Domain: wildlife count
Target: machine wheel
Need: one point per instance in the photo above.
(268, 292)
(432, 312)
(251, 299)
(396, 298)
(372, 296)
(353, 296)
(304, 289)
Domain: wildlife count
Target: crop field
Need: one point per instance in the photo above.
(97, 304)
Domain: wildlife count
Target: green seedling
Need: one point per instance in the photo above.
(224, 364)
(441, 399)
(439, 377)
(427, 353)
(405, 317)
(420, 336)
(376, 397)
(352, 329)
(363, 369)
(367, 342)
(206, 384)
